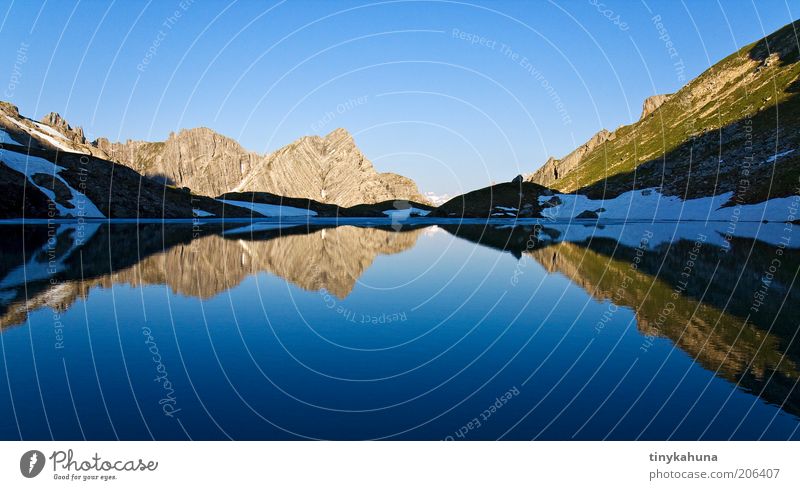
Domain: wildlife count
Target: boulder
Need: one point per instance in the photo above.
(587, 215)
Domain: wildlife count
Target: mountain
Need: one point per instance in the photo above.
(48, 174)
(53, 133)
(652, 103)
(44, 161)
(329, 169)
(710, 320)
(733, 129)
(437, 199)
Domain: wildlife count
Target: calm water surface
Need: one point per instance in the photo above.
(625, 331)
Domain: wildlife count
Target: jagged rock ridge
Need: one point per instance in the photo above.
(554, 168)
(330, 169)
(201, 159)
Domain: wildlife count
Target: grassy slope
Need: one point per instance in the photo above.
(737, 350)
(679, 145)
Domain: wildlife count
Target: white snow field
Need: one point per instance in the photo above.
(47, 134)
(6, 138)
(396, 214)
(271, 210)
(30, 165)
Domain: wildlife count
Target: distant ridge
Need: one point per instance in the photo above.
(329, 169)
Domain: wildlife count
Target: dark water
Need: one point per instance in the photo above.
(628, 331)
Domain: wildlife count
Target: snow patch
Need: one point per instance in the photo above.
(271, 210)
(47, 134)
(50, 131)
(778, 155)
(437, 199)
(256, 227)
(202, 214)
(30, 165)
(432, 230)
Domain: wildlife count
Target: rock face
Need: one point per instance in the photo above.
(554, 169)
(60, 124)
(652, 103)
(190, 261)
(201, 159)
(329, 169)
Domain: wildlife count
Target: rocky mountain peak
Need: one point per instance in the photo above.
(652, 103)
(329, 168)
(339, 140)
(199, 132)
(60, 124)
(55, 120)
(10, 109)
(555, 168)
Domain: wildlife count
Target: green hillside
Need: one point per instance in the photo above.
(719, 133)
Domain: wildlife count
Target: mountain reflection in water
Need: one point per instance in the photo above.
(729, 307)
(193, 262)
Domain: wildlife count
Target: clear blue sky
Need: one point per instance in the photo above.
(452, 94)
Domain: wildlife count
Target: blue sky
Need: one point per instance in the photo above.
(452, 94)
